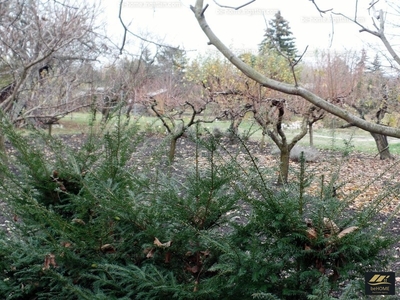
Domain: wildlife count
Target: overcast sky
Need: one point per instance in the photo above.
(173, 23)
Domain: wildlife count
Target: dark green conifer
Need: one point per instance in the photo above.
(278, 36)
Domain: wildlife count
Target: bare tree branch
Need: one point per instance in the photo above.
(380, 33)
(66, 5)
(372, 4)
(126, 30)
(321, 12)
(284, 87)
(232, 7)
(52, 118)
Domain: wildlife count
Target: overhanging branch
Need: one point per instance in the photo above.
(285, 87)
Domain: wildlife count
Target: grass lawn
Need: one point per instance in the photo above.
(338, 139)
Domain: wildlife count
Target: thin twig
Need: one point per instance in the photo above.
(320, 10)
(63, 4)
(232, 7)
(333, 31)
(123, 25)
(356, 11)
(372, 4)
(126, 30)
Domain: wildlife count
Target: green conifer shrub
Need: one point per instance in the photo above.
(105, 221)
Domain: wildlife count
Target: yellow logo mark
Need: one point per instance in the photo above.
(379, 279)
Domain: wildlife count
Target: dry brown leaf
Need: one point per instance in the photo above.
(78, 221)
(66, 244)
(330, 225)
(49, 260)
(205, 253)
(193, 269)
(107, 248)
(162, 245)
(311, 233)
(167, 259)
(347, 231)
(151, 252)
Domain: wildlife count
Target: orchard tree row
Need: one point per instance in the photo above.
(60, 61)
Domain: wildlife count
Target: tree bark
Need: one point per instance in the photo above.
(382, 145)
(284, 165)
(262, 143)
(311, 133)
(2, 145)
(3, 153)
(172, 148)
(233, 130)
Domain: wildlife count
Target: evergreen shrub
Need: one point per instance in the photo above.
(106, 221)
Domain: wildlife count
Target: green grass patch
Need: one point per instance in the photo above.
(350, 139)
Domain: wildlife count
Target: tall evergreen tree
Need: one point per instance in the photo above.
(375, 66)
(278, 36)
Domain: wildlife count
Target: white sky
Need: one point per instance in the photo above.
(173, 23)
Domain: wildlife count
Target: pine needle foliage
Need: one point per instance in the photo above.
(102, 221)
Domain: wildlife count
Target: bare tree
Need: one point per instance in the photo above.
(46, 50)
(375, 98)
(176, 102)
(224, 86)
(293, 89)
(177, 125)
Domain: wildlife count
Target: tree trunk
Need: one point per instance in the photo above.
(311, 133)
(233, 130)
(172, 148)
(382, 145)
(3, 154)
(262, 143)
(2, 145)
(284, 165)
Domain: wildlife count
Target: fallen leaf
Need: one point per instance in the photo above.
(331, 226)
(193, 269)
(49, 260)
(107, 248)
(347, 231)
(205, 253)
(78, 221)
(161, 245)
(150, 253)
(66, 244)
(311, 233)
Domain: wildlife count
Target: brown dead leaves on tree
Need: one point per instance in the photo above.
(49, 261)
(193, 261)
(332, 235)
